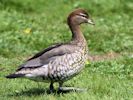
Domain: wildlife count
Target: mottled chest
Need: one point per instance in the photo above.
(68, 65)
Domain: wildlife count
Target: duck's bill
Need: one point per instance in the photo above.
(90, 22)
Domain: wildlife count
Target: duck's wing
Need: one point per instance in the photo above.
(47, 55)
(45, 50)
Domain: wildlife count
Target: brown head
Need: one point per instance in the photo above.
(78, 17)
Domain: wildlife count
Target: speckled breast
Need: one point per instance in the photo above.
(68, 65)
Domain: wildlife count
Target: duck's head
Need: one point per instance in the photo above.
(78, 17)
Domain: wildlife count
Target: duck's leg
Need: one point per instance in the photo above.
(60, 87)
(51, 88)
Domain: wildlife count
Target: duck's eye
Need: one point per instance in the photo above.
(83, 15)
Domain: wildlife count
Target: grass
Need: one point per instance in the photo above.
(27, 26)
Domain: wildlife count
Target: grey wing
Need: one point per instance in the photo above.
(47, 55)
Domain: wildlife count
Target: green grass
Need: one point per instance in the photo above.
(105, 80)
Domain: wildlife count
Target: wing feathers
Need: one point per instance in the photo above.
(44, 51)
(47, 55)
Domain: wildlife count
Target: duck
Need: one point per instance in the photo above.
(62, 61)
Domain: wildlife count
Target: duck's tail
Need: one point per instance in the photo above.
(15, 76)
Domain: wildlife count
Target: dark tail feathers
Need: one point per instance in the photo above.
(14, 75)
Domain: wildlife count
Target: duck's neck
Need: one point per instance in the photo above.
(77, 35)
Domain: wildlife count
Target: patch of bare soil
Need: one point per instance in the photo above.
(107, 56)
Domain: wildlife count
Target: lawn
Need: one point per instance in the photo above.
(28, 26)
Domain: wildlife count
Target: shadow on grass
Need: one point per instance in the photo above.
(37, 92)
